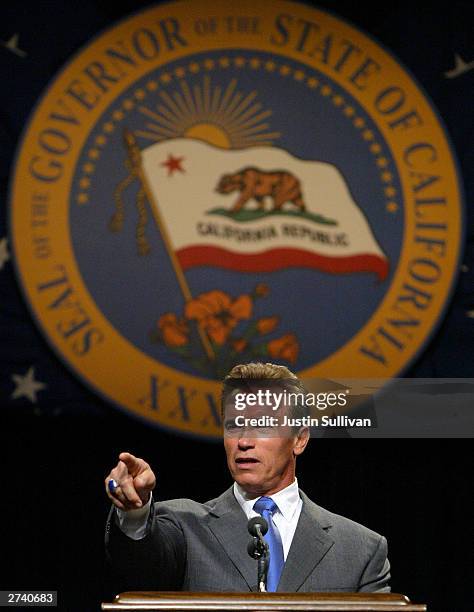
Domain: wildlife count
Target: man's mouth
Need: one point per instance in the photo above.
(246, 461)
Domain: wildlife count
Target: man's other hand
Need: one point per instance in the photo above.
(135, 481)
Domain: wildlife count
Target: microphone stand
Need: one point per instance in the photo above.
(262, 555)
(262, 571)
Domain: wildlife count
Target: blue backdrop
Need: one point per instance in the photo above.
(58, 440)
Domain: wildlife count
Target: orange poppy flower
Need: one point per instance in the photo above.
(174, 331)
(239, 344)
(266, 325)
(262, 290)
(218, 314)
(286, 347)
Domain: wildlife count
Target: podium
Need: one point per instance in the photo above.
(263, 602)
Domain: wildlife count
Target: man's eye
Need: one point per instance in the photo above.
(230, 426)
(265, 429)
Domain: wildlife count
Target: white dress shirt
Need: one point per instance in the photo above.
(133, 523)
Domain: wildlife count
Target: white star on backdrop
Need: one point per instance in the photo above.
(460, 67)
(27, 386)
(4, 254)
(12, 45)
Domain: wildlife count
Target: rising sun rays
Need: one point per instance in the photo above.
(224, 117)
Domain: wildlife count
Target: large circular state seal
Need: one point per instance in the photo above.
(206, 184)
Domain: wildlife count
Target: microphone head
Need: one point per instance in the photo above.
(253, 549)
(257, 521)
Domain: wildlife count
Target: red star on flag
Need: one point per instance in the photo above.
(173, 164)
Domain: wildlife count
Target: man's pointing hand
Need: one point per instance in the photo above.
(135, 480)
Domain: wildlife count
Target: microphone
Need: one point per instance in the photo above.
(253, 549)
(258, 549)
(257, 526)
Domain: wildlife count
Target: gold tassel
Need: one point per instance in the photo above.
(116, 222)
(142, 243)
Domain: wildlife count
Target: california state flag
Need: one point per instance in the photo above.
(258, 209)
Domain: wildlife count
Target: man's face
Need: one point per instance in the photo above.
(262, 464)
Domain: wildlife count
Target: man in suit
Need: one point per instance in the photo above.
(184, 545)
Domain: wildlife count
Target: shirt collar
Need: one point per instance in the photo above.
(287, 500)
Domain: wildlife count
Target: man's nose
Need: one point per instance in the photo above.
(246, 441)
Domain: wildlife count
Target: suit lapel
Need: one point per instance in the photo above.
(228, 523)
(310, 544)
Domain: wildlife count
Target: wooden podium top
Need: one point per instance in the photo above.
(263, 602)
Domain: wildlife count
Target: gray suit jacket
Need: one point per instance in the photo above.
(203, 547)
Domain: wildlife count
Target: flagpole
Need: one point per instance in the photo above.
(135, 158)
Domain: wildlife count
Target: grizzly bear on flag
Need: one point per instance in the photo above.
(256, 184)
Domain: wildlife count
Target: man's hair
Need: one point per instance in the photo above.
(246, 375)
(260, 370)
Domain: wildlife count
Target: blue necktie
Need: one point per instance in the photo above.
(267, 507)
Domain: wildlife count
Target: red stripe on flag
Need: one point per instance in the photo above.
(277, 259)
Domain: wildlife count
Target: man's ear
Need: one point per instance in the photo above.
(301, 441)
